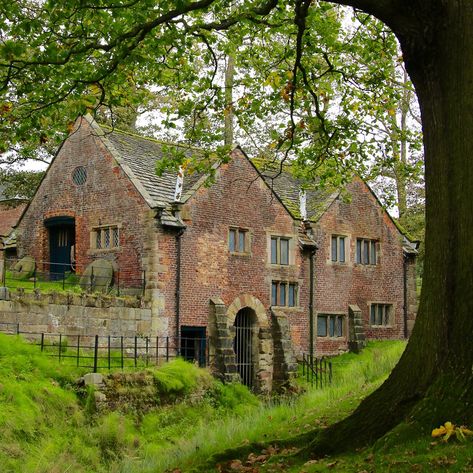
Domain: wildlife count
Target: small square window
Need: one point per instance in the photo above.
(238, 240)
(280, 250)
(380, 315)
(338, 248)
(105, 238)
(330, 325)
(284, 294)
(366, 251)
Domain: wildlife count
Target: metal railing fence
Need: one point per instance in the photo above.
(113, 352)
(316, 371)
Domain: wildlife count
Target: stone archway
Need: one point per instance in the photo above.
(262, 357)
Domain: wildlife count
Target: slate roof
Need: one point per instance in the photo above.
(140, 154)
(287, 188)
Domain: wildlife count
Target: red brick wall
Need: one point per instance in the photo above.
(10, 212)
(237, 199)
(107, 197)
(341, 284)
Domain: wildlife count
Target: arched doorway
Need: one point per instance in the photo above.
(244, 345)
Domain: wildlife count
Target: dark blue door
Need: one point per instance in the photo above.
(61, 241)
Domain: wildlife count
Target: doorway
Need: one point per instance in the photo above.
(244, 345)
(193, 344)
(61, 245)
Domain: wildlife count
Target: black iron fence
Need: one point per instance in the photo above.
(59, 276)
(316, 371)
(113, 352)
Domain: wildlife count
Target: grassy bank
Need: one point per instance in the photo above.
(48, 424)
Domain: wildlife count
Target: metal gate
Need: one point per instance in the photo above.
(243, 346)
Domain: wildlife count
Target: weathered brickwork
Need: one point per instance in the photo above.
(107, 197)
(340, 284)
(238, 199)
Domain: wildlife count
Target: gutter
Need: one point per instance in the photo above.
(178, 283)
(311, 304)
(406, 334)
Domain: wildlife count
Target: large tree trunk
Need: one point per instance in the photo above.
(433, 381)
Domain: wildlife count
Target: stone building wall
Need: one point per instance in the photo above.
(107, 197)
(339, 285)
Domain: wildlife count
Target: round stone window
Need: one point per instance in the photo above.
(79, 175)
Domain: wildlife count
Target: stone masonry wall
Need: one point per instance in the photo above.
(72, 314)
(339, 285)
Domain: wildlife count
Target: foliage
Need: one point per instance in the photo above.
(311, 84)
(19, 184)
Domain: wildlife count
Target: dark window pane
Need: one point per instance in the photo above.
(292, 295)
(321, 326)
(342, 249)
(373, 253)
(284, 251)
(106, 239)
(386, 314)
(380, 314)
(334, 248)
(232, 240)
(274, 250)
(98, 239)
(331, 326)
(274, 293)
(241, 241)
(116, 239)
(373, 314)
(358, 251)
(339, 327)
(366, 252)
(282, 294)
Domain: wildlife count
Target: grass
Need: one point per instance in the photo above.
(45, 426)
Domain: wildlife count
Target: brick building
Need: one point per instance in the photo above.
(232, 260)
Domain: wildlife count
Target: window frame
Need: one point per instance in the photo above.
(383, 310)
(275, 258)
(282, 292)
(366, 251)
(238, 232)
(331, 320)
(335, 249)
(99, 241)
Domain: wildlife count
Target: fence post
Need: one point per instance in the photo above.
(78, 349)
(91, 279)
(167, 348)
(121, 349)
(63, 279)
(118, 283)
(42, 341)
(60, 347)
(18, 329)
(144, 282)
(330, 372)
(108, 352)
(147, 350)
(157, 350)
(136, 350)
(96, 352)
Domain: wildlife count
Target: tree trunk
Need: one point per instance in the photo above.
(433, 381)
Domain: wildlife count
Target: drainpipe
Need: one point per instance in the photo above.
(178, 282)
(311, 305)
(406, 334)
